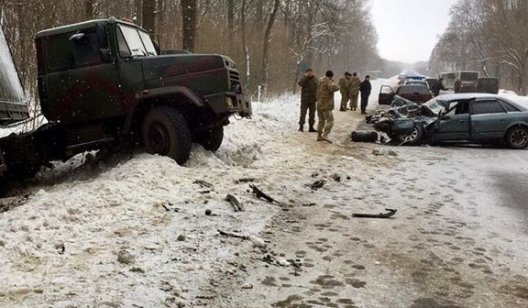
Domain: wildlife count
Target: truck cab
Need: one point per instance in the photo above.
(104, 84)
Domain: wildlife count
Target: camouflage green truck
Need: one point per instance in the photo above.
(104, 85)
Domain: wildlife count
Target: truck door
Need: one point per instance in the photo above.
(454, 125)
(54, 78)
(95, 80)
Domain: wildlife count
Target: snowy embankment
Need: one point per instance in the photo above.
(61, 247)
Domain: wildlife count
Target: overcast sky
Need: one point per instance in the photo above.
(409, 29)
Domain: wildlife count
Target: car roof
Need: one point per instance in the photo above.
(466, 96)
(81, 26)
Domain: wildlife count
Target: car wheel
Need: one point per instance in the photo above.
(165, 132)
(414, 138)
(517, 137)
(211, 139)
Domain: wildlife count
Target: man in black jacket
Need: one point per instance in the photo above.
(308, 84)
(365, 89)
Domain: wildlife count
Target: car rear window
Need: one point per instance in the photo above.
(509, 107)
(487, 107)
(420, 89)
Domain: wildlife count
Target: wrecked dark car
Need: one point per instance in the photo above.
(418, 93)
(458, 118)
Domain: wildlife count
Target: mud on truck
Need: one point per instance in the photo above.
(103, 85)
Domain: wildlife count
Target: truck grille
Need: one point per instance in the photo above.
(234, 80)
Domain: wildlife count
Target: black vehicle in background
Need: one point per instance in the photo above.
(417, 93)
(488, 85)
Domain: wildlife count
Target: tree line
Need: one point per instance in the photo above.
(272, 41)
(489, 36)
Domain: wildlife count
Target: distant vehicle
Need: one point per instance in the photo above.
(415, 93)
(466, 82)
(448, 80)
(431, 82)
(488, 85)
(460, 118)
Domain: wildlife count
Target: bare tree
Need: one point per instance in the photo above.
(189, 14)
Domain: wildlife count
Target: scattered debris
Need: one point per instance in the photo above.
(378, 152)
(237, 206)
(208, 212)
(204, 184)
(137, 270)
(125, 257)
(181, 238)
(315, 174)
(167, 206)
(230, 234)
(336, 177)
(245, 180)
(392, 153)
(317, 184)
(60, 248)
(260, 195)
(390, 213)
(258, 243)
(247, 286)
(309, 204)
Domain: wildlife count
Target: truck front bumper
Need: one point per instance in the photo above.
(229, 103)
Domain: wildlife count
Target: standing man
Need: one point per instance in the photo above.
(308, 84)
(437, 86)
(365, 89)
(355, 84)
(325, 105)
(344, 87)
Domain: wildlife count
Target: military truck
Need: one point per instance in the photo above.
(103, 85)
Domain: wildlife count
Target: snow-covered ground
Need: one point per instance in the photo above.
(134, 233)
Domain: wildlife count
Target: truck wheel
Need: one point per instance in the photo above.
(517, 137)
(211, 139)
(414, 138)
(165, 132)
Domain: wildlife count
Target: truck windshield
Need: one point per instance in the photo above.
(139, 42)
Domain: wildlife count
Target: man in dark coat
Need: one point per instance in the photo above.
(365, 89)
(437, 86)
(308, 84)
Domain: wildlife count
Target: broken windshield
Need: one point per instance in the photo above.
(138, 42)
(436, 105)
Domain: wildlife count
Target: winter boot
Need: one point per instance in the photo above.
(301, 128)
(319, 137)
(312, 130)
(325, 138)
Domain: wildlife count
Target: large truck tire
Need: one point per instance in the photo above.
(165, 132)
(211, 139)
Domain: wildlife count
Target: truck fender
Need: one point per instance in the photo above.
(146, 95)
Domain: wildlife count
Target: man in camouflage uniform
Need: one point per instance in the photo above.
(344, 88)
(308, 84)
(355, 84)
(325, 105)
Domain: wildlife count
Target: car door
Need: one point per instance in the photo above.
(454, 126)
(489, 120)
(386, 95)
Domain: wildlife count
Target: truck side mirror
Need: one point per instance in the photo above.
(106, 55)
